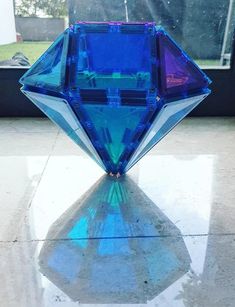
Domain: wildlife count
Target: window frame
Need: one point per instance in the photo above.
(221, 102)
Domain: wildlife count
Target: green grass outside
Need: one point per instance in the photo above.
(34, 49)
(202, 63)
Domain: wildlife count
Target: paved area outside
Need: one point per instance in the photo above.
(163, 235)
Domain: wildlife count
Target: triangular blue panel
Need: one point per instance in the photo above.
(114, 128)
(59, 111)
(170, 115)
(49, 71)
(178, 74)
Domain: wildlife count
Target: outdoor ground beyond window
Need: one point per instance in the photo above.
(32, 50)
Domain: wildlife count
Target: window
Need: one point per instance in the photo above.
(204, 29)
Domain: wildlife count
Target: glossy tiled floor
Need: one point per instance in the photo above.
(163, 236)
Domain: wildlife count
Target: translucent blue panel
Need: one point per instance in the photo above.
(166, 120)
(129, 51)
(59, 111)
(133, 57)
(49, 71)
(114, 127)
(178, 73)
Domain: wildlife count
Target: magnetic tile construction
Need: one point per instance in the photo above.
(115, 88)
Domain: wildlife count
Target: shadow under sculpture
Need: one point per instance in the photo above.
(113, 246)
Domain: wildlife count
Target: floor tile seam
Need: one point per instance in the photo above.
(27, 132)
(44, 168)
(120, 237)
(37, 185)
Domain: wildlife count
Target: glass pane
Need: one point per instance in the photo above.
(28, 27)
(204, 29)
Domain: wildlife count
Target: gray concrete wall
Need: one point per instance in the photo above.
(39, 29)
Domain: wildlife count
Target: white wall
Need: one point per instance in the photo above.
(7, 22)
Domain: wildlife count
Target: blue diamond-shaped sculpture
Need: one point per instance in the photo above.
(115, 88)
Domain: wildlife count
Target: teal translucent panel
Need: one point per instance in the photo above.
(49, 71)
(60, 112)
(115, 126)
(170, 115)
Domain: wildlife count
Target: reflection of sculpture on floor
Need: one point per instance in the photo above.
(115, 88)
(113, 246)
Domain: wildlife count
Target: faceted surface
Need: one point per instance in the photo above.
(116, 89)
(167, 119)
(86, 253)
(178, 73)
